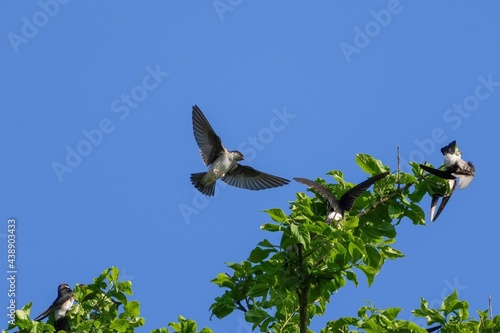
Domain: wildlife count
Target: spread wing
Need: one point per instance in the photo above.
(323, 191)
(436, 172)
(347, 200)
(209, 143)
(247, 177)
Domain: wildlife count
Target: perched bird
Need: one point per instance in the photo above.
(223, 164)
(61, 305)
(337, 208)
(454, 167)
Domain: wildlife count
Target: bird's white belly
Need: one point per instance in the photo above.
(61, 312)
(220, 167)
(334, 216)
(451, 159)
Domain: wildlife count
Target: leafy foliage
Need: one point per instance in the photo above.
(101, 307)
(281, 287)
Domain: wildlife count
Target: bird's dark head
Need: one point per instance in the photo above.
(63, 287)
(238, 156)
(451, 148)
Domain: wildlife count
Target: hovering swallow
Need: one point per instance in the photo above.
(223, 164)
(337, 208)
(61, 304)
(454, 167)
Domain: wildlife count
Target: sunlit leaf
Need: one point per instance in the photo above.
(369, 165)
(276, 214)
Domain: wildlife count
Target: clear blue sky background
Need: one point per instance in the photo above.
(359, 77)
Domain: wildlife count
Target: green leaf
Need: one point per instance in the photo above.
(271, 227)
(351, 276)
(258, 290)
(276, 214)
(265, 243)
(256, 316)
(375, 260)
(300, 234)
(369, 165)
(223, 280)
(370, 273)
(258, 254)
(132, 309)
(223, 306)
(416, 214)
(391, 313)
(351, 222)
(338, 176)
(391, 252)
(394, 211)
(125, 287)
(114, 275)
(120, 325)
(406, 178)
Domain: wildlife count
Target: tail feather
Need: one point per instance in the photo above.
(207, 189)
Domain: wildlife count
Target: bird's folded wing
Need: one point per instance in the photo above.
(444, 201)
(436, 172)
(46, 313)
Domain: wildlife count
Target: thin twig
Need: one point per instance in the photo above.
(384, 199)
(490, 306)
(241, 307)
(399, 168)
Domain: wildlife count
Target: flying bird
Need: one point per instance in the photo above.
(61, 304)
(223, 164)
(337, 208)
(454, 168)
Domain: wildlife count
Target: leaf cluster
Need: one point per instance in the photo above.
(314, 259)
(282, 286)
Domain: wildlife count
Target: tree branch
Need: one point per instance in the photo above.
(303, 294)
(384, 199)
(399, 170)
(240, 306)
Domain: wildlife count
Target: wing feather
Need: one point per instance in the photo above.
(323, 191)
(347, 200)
(244, 176)
(208, 141)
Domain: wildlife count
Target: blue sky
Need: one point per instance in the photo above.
(299, 88)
